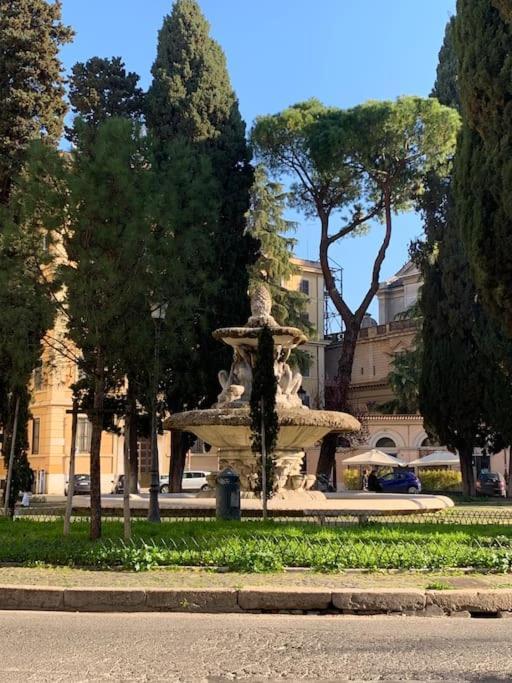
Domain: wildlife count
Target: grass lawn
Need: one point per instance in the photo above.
(260, 547)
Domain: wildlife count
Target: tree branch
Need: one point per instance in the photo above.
(378, 260)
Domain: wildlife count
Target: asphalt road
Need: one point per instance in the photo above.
(43, 646)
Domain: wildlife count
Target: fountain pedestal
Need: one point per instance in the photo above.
(226, 426)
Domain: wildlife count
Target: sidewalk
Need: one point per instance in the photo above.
(407, 593)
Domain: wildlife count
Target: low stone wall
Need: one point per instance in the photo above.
(410, 602)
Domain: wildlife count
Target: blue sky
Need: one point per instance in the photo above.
(283, 51)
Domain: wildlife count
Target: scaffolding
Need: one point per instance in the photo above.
(333, 324)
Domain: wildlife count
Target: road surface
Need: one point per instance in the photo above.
(44, 646)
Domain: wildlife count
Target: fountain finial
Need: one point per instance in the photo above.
(261, 306)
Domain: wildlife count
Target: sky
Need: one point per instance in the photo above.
(280, 52)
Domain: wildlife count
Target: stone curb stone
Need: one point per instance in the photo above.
(104, 599)
(192, 600)
(379, 601)
(454, 603)
(30, 598)
(468, 600)
(283, 599)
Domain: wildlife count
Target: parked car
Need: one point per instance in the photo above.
(118, 485)
(400, 481)
(491, 484)
(81, 485)
(193, 480)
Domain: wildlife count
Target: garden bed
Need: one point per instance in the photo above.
(259, 546)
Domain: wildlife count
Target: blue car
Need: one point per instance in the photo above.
(400, 481)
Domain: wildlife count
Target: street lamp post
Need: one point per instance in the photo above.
(158, 314)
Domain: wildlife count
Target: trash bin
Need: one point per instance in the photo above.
(228, 495)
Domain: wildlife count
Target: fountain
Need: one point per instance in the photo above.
(226, 426)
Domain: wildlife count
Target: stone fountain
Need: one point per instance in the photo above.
(226, 426)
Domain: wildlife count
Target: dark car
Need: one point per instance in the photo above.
(81, 485)
(400, 481)
(118, 485)
(491, 484)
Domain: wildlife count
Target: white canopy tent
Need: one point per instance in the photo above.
(436, 459)
(374, 458)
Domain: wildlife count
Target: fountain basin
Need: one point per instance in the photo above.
(229, 430)
(231, 427)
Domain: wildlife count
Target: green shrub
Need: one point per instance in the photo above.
(352, 480)
(440, 480)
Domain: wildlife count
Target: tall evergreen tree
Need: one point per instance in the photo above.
(31, 83)
(274, 266)
(264, 419)
(107, 231)
(483, 42)
(461, 372)
(101, 89)
(32, 108)
(191, 101)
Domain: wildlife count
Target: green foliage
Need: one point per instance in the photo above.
(192, 114)
(259, 547)
(462, 372)
(440, 480)
(31, 84)
(403, 378)
(274, 266)
(446, 88)
(264, 419)
(100, 89)
(106, 236)
(352, 479)
(483, 169)
(361, 163)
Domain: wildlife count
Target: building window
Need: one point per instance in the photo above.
(304, 287)
(362, 371)
(83, 435)
(36, 429)
(387, 444)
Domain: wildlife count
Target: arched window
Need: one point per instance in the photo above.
(385, 442)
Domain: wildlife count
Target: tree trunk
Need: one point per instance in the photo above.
(97, 428)
(71, 474)
(466, 470)
(509, 482)
(10, 495)
(127, 523)
(337, 399)
(133, 438)
(180, 444)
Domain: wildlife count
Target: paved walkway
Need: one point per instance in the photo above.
(213, 648)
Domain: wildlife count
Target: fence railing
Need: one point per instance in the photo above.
(450, 516)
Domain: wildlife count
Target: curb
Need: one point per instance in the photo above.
(409, 602)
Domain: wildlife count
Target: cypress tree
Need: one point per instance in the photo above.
(191, 102)
(483, 172)
(264, 420)
(31, 83)
(461, 374)
(274, 266)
